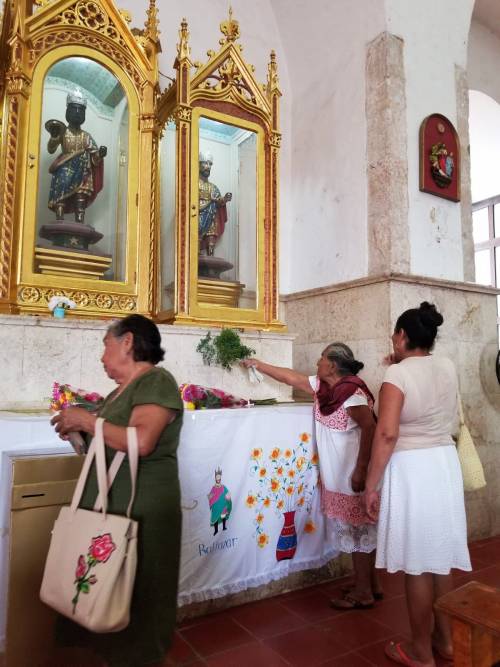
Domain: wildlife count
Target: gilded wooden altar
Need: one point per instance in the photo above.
(106, 210)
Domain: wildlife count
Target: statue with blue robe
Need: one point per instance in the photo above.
(212, 214)
(77, 172)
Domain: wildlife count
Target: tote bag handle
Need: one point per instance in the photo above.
(104, 479)
(133, 458)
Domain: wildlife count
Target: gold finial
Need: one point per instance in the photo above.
(126, 15)
(230, 28)
(272, 72)
(152, 22)
(183, 48)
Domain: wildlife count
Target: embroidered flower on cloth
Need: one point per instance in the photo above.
(99, 551)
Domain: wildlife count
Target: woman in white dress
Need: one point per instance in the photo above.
(421, 513)
(343, 412)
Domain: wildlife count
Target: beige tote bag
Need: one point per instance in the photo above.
(472, 468)
(90, 568)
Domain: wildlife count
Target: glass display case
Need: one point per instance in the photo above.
(225, 144)
(80, 158)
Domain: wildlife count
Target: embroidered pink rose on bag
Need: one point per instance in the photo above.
(101, 548)
(99, 551)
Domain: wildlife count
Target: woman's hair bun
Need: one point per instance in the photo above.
(430, 315)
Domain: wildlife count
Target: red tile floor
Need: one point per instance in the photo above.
(301, 629)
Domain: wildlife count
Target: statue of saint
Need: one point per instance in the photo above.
(220, 503)
(212, 207)
(77, 173)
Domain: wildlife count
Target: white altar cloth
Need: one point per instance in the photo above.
(268, 460)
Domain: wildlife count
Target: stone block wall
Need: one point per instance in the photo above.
(363, 313)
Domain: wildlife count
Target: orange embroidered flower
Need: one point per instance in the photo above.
(291, 473)
(315, 459)
(279, 471)
(262, 472)
(256, 453)
(275, 485)
(290, 490)
(300, 489)
(259, 518)
(300, 502)
(251, 500)
(305, 437)
(300, 462)
(267, 502)
(288, 453)
(275, 453)
(309, 526)
(280, 504)
(262, 540)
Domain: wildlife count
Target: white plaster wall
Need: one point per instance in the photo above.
(325, 43)
(433, 47)
(483, 61)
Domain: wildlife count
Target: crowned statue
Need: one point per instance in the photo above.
(212, 207)
(77, 172)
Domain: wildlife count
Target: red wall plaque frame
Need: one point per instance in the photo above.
(439, 158)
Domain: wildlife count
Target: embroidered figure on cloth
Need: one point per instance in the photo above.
(220, 503)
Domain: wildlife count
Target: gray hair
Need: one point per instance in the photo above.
(343, 357)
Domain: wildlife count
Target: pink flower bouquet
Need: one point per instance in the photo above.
(196, 397)
(65, 396)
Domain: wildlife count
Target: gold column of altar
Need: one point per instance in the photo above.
(79, 157)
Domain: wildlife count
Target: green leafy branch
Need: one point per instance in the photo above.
(223, 350)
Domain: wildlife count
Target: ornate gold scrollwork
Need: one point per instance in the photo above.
(103, 301)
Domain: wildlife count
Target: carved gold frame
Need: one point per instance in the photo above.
(34, 36)
(223, 89)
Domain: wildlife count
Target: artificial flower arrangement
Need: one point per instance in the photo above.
(58, 305)
(196, 397)
(225, 350)
(65, 396)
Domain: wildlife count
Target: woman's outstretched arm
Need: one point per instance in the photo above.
(285, 375)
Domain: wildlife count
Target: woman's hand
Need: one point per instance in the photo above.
(73, 419)
(248, 363)
(371, 501)
(358, 479)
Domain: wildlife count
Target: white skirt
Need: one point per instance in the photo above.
(422, 525)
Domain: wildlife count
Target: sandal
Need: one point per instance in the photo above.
(377, 595)
(396, 653)
(350, 602)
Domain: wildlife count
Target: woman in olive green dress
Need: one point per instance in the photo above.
(148, 398)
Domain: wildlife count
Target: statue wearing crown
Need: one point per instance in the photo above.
(77, 172)
(212, 207)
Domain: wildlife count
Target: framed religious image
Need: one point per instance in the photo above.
(439, 158)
